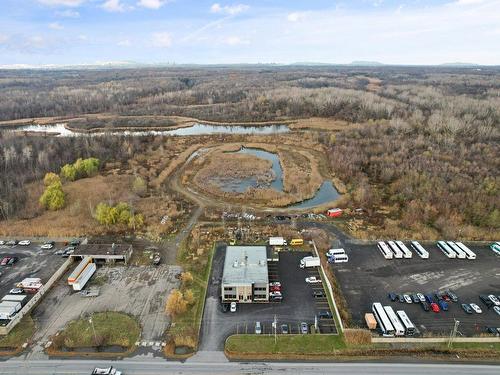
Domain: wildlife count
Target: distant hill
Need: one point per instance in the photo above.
(366, 63)
(460, 65)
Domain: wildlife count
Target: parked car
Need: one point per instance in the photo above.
(434, 307)
(275, 283)
(494, 299)
(425, 306)
(75, 242)
(421, 297)
(16, 291)
(67, 253)
(59, 252)
(25, 242)
(486, 300)
(275, 289)
(401, 298)
(11, 243)
(284, 329)
(446, 297)
(438, 296)
(407, 298)
(313, 280)
(476, 308)
(492, 330)
(319, 293)
(429, 298)
(414, 298)
(232, 307)
(324, 315)
(12, 261)
(2, 242)
(47, 246)
(392, 296)
(225, 307)
(258, 328)
(452, 295)
(4, 261)
(304, 329)
(467, 308)
(443, 305)
(497, 309)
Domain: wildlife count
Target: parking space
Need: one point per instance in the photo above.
(32, 261)
(298, 305)
(368, 278)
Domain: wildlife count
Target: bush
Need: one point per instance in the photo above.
(119, 214)
(68, 172)
(51, 178)
(186, 278)
(176, 304)
(189, 296)
(53, 197)
(81, 168)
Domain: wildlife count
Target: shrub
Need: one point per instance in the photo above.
(53, 197)
(68, 172)
(119, 214)
(186, 278)
(139, 186)
(51, 178)
(81, 168)
(189, 296)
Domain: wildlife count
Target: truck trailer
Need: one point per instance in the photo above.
(78, 270)
(310, 261)
(84, 277)
(22, 298)
(15, 304)
(7, 312)
(277, 241)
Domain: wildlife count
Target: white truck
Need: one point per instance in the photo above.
(15, 304)
(30, 284)
(21, 298)
(309, 261)
(277, 241)
(106, 371)
(84, 277)
(7, 312)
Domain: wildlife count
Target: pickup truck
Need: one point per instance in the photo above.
(106, 371)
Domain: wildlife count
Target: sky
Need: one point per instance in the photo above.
(420, 32)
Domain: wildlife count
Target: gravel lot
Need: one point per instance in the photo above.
(298, 304)
(368, 278)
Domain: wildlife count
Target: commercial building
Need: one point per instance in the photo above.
(104, 253)
(245, 277)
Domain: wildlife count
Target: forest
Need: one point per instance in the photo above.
(424, 140)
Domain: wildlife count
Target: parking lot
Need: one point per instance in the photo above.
(368, 278)
(298, 305)
(32, 262)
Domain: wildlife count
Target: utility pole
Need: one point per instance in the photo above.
(93, 330)
(275, 326)
(453, 333)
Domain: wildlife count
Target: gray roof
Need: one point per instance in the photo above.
(245, 265)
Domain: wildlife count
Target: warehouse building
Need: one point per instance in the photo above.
(104, 253)
(245, 277)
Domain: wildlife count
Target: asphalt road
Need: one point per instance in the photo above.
(152, 367)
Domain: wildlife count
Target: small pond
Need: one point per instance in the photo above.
(196, 129)
(326, 193)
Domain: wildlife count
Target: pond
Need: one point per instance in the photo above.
(196, 129)
(326, 193)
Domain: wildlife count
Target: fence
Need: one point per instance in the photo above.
(433, 339)
(37, 297)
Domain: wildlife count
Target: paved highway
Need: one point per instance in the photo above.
(159, 367)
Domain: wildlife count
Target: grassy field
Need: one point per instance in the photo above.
(111, 328)
(19, 335)
(289, 344)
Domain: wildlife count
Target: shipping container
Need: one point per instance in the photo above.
(84, 277)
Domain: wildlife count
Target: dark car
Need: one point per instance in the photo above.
(319, 294)
(452, 296)
(284, 329)
(415, 298)
(401, 298)
(12, 261)
(429, 298)
(69, 248)
(325, 315)
(11, 243)
(225, 307)
(486, 300)
(443, 305)
(492, 330)
(425, 306)
(392, 296)
(467, 308)
(75, 242)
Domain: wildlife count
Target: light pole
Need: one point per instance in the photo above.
(93, 330)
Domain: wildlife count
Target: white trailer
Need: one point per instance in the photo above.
(446, 249)
(84, 277)
(395, 250)
(460, 253)
(310, 261)
(277, 241)
(16, 305)
(419, 249)
(469, 254)
(384, 249)
(406, 252)
(15, 297)
(78, 270)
